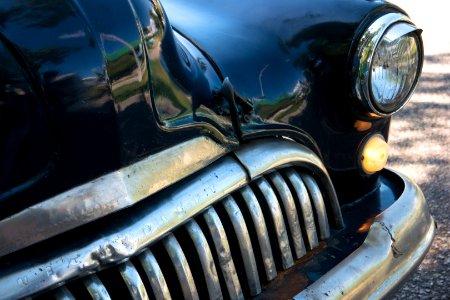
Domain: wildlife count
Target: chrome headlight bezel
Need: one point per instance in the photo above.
(365, 51)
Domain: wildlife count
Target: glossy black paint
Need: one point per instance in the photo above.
(104, 72)
(114, 83)
(26, 144)
(292, 60)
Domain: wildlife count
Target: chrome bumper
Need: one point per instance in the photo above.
(396, 243)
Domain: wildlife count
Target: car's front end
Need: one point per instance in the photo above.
(206, 150)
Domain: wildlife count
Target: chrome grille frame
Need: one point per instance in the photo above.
(199, 196)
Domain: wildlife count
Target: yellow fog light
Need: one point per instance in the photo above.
(374, 154)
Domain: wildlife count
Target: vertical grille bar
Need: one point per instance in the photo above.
(245, 245)
(319, 205)
(261, 231)
(305, 205)
(224, 254)
(133, 281)
(291, 213)
(96, 288)
(206, 259)
(278, 222)
(63, 293)
(155, 275)
(182, 269)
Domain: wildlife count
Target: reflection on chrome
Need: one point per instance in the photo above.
(107, 194)
(388, 63)
(397, 241)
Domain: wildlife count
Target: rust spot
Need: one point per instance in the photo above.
(285, 286)
(290, 282)
(366, 226)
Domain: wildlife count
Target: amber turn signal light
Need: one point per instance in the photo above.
(374, 154)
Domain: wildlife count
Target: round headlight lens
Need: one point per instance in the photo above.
(387, 64)
(394, 70)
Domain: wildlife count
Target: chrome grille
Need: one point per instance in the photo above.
(224, 231)
(230, 250)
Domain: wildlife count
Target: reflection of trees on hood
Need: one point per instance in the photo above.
(44, 13)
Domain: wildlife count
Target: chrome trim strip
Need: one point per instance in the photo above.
(170, 208)
(364, 55)
(133, 281)
(395, 245)
(223, 251)
(155, 275)
(305, 207)
(245, 245)
(259, 224)
(398, 31)
(273, 154)
(206, 259)
(291, 213)
(319, 205)
(96, 288)
(107, 194)
(181, 266)
(277, 221)
(63, 293)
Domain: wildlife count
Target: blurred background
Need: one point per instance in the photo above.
(420, 139)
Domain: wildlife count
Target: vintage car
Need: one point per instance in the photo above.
(205, 149)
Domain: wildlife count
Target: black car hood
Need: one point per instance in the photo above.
(264, 47)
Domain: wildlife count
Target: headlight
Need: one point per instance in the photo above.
(387, 64)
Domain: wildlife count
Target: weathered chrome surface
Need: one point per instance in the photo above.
(245, 245)
(272, 154)
(206, 259)
(167, 211)
(291, 213)
(106, 194)
(396, 243)
(224, 254)
(261, 231)
(305, 206)
(133, 281)
(96, 288)
(155, 275)
(319, 205)
(62, 293)
(364, 57)
(181, 267)
(278, 222)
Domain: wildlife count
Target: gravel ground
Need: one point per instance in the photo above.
(420, 139)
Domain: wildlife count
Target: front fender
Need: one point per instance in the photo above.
(292, 60)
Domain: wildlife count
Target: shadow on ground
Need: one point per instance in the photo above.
(420, 139)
